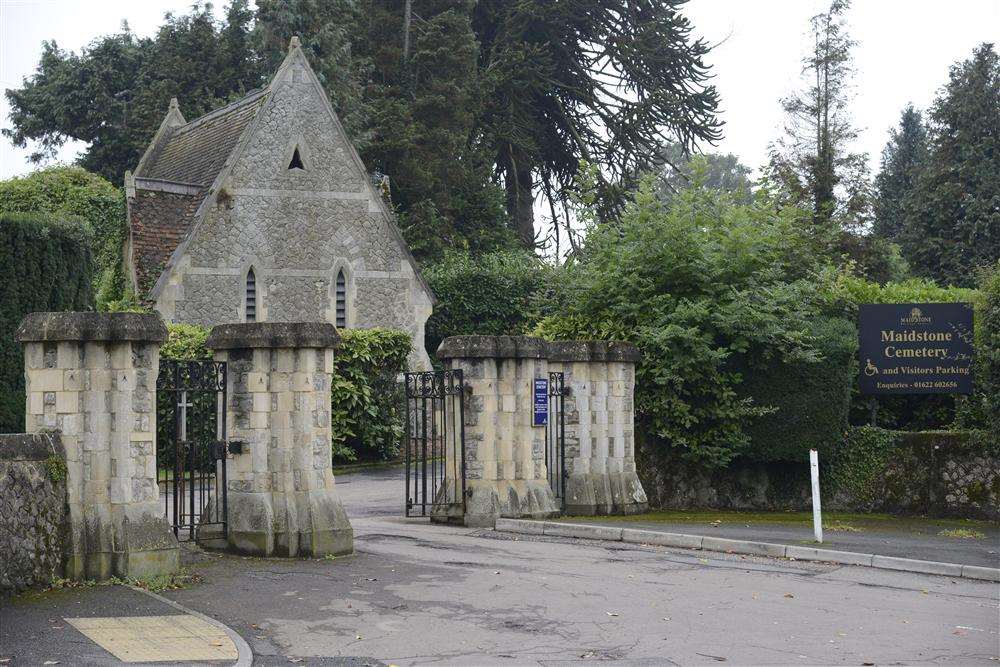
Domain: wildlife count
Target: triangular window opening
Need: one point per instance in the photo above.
(296, 162)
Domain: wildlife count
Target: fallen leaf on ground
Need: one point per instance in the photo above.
(789, 595)
(612, 613)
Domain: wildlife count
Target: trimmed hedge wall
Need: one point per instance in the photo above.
(70, 192)
(45, 264)
(810, 402)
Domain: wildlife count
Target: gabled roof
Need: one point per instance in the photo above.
(195, 153)
(184, 167)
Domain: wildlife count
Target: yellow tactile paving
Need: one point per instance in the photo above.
(176, 638)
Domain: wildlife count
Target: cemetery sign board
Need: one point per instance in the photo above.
(915, 348)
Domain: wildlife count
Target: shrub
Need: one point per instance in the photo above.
(491, 294)
(45, 264)
(709, 290)
(367, 402)
(809, 400)
(185, 341)
(986, 400)
(73, 193)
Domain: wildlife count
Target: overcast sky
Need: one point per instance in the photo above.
(905, 49)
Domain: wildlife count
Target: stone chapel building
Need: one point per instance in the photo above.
(263, 211)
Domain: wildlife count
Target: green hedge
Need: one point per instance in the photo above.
(45, 264)
(367, 401)
(73, 193)
(492, 294)
(809, 402)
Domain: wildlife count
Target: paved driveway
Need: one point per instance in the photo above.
(417, 593)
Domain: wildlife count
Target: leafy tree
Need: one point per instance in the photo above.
(709, 290)
(114, 93)
(717, 171)
(596, 80)
(953, 216)
(497, 293)
(812, 164)
(73, 194)
(903, 158)
(425, 105)
(987, 398)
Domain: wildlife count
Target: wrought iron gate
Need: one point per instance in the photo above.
(434, 444)
(555, 438)
(191, 445)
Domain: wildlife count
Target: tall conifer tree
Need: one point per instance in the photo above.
(903, 158)
(813, 164)
(953, 216)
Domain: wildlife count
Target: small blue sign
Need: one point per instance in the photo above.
(541, 402)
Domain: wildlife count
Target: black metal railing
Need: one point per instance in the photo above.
(191, 445)
(434, 443)
(555, 437)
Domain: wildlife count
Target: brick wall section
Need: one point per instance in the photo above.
(33, 513)
(158, 222)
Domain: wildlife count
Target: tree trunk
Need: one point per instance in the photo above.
(520, 196)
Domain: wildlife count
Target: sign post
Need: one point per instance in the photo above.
(817, 512)
(541, 402)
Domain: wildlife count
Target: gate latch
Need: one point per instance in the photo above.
(235, 446)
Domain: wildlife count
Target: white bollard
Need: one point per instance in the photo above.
(817, 514)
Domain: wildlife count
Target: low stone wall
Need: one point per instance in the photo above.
(927, 474)
(33, 511)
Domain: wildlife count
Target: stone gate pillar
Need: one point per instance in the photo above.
(92, 376)
(600, 426)
(505, 454)
(281, 494)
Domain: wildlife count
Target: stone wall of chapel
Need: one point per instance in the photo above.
(297, 228)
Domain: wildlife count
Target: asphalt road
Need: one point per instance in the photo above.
(416, 593)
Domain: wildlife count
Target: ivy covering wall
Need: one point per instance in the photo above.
(45, 264)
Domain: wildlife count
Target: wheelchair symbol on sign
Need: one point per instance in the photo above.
(871, 369)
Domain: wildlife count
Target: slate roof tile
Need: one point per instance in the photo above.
(194, 153)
